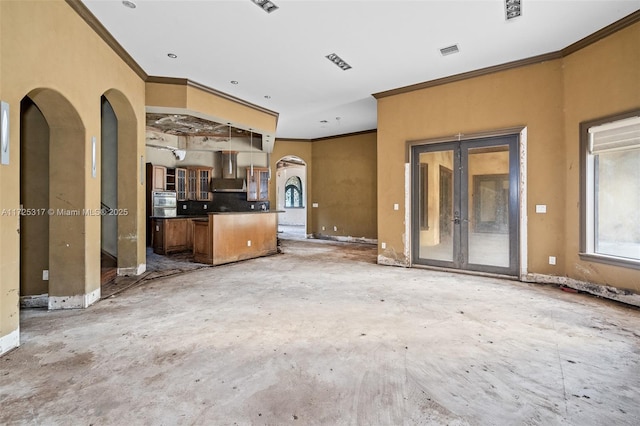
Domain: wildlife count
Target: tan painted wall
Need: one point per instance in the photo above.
(47, 45)
(530, 96)
(599, 80)
(551, 99)
(344, 186)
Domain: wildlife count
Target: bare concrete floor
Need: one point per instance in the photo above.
(322, 335)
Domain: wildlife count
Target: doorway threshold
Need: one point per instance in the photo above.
(466, 272)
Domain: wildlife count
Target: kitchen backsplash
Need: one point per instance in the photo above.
(222, 202)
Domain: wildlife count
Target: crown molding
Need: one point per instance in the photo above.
(345, 135)
(210, 90)
(603, 33)
(471, 74)
(581, 44)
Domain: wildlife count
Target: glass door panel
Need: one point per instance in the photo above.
(465, 204)
(488, 206)
(435, 206)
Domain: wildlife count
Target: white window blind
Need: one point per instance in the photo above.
(617, 136)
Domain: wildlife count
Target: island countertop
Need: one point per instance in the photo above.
(206, 215)
(224, 237)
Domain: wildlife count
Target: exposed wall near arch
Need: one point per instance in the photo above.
(34, 230)
(297, 215)
(303, 150)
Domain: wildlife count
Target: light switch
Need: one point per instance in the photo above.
(396, 206)
(541, 208)
(314, 205)
(45, 275)
(552, 260)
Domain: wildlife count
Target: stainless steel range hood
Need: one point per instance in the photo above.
(228, 185)
(230, 181)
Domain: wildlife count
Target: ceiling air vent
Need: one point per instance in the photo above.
(266, 5)
(513, 8)
(449, 50)
(338, 61)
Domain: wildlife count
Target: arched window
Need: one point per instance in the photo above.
(293, 192)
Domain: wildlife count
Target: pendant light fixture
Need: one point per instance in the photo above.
(251, 150)
(230, 165)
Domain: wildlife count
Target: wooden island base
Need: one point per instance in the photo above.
(229, 237)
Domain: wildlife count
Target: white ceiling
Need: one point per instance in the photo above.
(389, 44)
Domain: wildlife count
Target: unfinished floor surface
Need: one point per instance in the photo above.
(322, 335)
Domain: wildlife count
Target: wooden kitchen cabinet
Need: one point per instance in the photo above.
(172, 235)
(181, 184)
(159, 178)
(198, 183)
(258, 184)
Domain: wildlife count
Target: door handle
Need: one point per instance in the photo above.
(456, 218)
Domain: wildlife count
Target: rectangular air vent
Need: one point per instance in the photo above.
(338, 61)
(513, 8)
(449, 50)
(266, 5)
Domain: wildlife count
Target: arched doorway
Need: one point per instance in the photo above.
(120, 185)
(53, 242)
(291, 196)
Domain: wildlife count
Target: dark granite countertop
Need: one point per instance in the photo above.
(205, 216)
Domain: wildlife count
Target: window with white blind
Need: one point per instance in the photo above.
(611, 190)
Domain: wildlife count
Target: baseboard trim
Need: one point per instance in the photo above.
(79, 301)
(132, 271)
(389, 261)
(619, 295)
(10, 341)
(39, 301)
(342, 239)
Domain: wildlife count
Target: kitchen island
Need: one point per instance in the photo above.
(225, 237)
(172, 234)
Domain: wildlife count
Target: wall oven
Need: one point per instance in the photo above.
(164, 204)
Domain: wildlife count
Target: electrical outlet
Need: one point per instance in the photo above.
(314, 205)
(184, 207)
(383, 246)
(541, 208)
(335, 228)
(45, 275)
(552, 260)
(205, 206)
(396, 206)
(324, 228)
(252, 207)
(248, 243)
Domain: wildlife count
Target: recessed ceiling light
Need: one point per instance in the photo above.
(172, 55)
(449, 50)
(234, 82)
(129, 4)
(338, 61)
(513, 8)
(266, 5)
